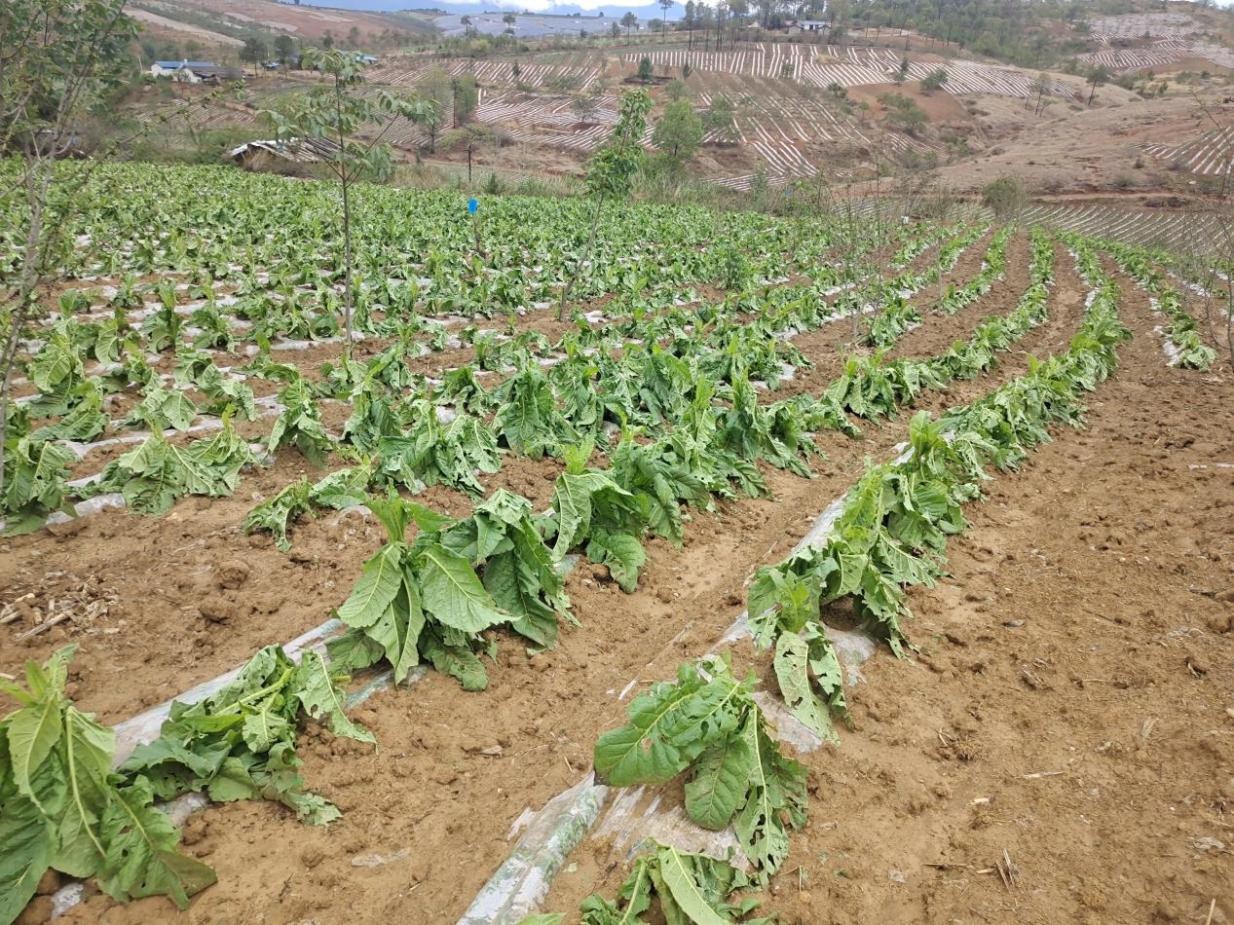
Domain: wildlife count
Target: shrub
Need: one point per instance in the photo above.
(934, 80)
(1005, 196)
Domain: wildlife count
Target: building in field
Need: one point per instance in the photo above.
(194, 72)
(277, 155)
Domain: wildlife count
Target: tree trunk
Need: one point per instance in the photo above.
(345, 183)
(38, 181)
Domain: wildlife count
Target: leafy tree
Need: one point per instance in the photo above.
(612, 169)
(903, 113)
(901, 74)
(59, 61)
(1097, 77)
(629, 21)
(934, 80)
(254, 52)
(676, 90)
(466, 98)
(614, 29)
(284, 47)
(477, 135)
(665, 5)
(336, 111)
(1005, 197)
(1039, 90)
(721, 117)
(436, 87)
(585, 106)
(679, 132)
(644, 69)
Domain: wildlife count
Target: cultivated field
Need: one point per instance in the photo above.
(928, 520)
(1164, 39)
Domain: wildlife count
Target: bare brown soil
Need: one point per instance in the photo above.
(304, 22)
(1071, 710)
(827, 347)
(1019, 673)
(189, 595)
(454, 769)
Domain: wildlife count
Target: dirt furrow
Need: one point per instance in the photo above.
(457, 770)
(1069, 708)
(827, 347)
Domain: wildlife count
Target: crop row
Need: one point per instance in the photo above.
(430, 599)
(437, 428)
(891, 533)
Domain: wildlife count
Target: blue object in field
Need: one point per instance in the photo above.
(473, 206)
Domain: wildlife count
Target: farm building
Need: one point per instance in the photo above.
(194, 71)
(811, 25)
(262, 154)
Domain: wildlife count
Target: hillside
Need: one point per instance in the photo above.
(208, 24)
(784, 108)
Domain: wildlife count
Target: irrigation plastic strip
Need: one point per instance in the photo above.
(521, 883)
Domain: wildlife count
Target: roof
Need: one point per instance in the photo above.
(300, 150)
(177, 65)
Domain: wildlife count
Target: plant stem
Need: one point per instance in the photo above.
(578, 269)
(345, 183)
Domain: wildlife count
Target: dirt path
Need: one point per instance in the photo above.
(1072, 702)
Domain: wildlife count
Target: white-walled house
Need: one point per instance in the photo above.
(193, 71)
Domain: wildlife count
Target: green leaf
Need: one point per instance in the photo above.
(28, 838)
(322, 699)
(720, 783)
(670, 726)
(635, 893)
(458, 662)
(777, 786)
(398, 630)
(233, 781)
(453, 594)
(87, 755)
(572, 500)
(379, 582)
(141, 855)
(264, 728)
(792, 663)
(622, 553)
(679, 880)
(513, 585)
(32, 733)
(354, 650)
